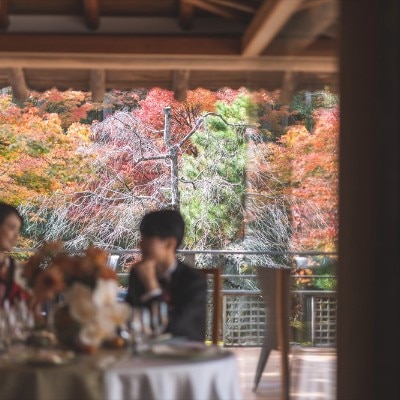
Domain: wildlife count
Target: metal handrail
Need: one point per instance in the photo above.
(202, 251)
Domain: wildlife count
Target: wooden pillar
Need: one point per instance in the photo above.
(282, 283)
(186, 14)
(369, 273)
(16, 77)
(92, 13)
(180, 84)
(4, 18)
(97, 85)
(288, 87)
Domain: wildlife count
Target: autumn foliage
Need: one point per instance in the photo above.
(58, 143)
(36, 156)
(303, 166)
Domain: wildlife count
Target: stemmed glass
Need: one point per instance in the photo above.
(16, 322)
(159, 317)
(144, 324)
(139, 330)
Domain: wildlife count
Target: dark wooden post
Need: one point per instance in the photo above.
(369, 273)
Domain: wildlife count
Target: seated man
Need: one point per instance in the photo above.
(159, 276)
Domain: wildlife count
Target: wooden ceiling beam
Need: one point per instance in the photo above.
(97, 84)
(186, 14)
(16, 78)
(4, 18)
(180, 84)
(121, 44)
(269, 20)
(92, 13)
(312, 64)
(41, 80)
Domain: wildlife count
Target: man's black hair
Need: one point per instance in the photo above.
(163, 224)
(6, 210)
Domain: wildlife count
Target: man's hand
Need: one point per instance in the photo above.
(146, 271)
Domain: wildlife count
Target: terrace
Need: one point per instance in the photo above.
(312, 355)
(312, 374)
(40, 53)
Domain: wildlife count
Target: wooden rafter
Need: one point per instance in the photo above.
(216, 9)
(266, 24)
(319, 47)
(186, 14)
(239, 5)
(180, 84)
(97, 84)
(4, 19)
(306, 26)
(92, 13)
(312, 3)
(16, 78)
(332, 31)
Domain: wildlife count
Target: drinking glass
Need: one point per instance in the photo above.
(138, 329)
(159, 317)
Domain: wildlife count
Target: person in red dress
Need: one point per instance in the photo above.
(11, 284)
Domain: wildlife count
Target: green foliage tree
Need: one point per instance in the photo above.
(213, 182)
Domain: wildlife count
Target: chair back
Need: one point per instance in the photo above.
(215, 273)
(275, 290)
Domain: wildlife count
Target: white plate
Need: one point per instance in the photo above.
(46, 357)
(185, 350)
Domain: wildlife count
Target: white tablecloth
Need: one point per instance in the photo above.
(141, 378)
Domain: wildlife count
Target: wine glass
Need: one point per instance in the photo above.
(138, 329)
(159, 317)
(146, 322)
(4, 333)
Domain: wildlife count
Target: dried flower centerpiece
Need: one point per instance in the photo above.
(91, 314)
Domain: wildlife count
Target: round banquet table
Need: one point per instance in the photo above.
(114, 375)
(151, 378)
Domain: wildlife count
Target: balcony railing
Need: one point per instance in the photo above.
(313, 310)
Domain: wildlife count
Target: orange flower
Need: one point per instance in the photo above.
(36, 263)
(107, 273)
(97, 256)
(48, 284)
(83, 267)
(32, 268)
(51, 249)
(64, 262)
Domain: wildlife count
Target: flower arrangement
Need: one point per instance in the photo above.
(92, 313)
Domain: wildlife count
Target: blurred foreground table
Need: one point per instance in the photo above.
(114, 375)
(151, 378)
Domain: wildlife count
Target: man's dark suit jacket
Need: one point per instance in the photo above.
(187, 290)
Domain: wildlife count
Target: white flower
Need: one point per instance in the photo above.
(98, 310)
(90, 334)
(117, 313)
(105, 292)
(80, 300)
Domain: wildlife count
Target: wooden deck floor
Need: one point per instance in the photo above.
(313, 374)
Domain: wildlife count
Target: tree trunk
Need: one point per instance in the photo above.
(173, 156)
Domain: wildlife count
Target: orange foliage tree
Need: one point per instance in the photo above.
(305, 169)
(36, 156)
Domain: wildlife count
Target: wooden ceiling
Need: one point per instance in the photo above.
(176, 44)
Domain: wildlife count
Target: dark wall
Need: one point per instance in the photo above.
(369, 245)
